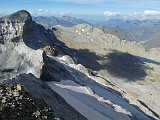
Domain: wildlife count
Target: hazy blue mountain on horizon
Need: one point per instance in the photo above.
(51, 21)
(145, 32)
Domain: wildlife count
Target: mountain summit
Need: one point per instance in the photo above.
(21, 15)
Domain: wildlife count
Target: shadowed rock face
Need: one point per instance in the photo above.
(118, 64)
(125, 65)
(52, 70)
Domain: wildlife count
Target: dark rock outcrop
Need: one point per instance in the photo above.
(50, 51)
(16, 102)
(53, 70)
(41, 90)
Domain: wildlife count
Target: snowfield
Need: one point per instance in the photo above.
(95, 102)
(82, 98)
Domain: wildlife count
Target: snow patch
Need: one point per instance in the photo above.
(89, 104)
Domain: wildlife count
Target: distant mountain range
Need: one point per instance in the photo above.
(145, 32)
(51, 21)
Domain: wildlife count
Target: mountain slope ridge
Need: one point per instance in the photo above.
(57, 74)
(125, 64)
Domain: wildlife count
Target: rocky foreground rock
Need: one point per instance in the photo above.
(17, 103)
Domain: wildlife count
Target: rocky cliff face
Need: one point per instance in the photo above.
(22, 42)
(20, 37)
(19, 27)
(12, 26)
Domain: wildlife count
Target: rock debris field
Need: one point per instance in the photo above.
(17, 104)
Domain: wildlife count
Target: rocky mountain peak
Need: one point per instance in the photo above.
(21, 15)
(82, 26)
(13, 26)
(19, 34)
(19, 27)
(66, 17)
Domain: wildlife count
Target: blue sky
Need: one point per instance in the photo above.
(83, 8)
